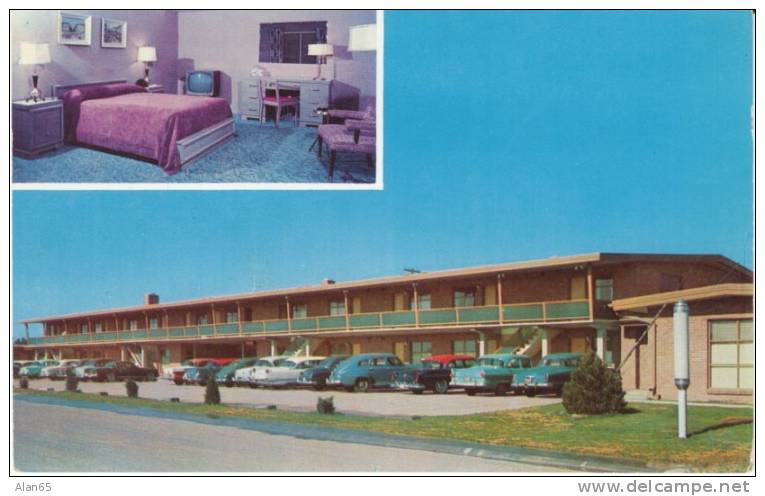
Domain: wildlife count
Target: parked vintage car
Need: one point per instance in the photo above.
(316, 377)
(79, 371)
(59, 371)
(115, 371)
(434, 374)
(491, 373)
(243, 376)
(200, 375)
(549, 376)
(33, 370)
(285, 373)
(363, 372)
(225, 376)
(179, 373)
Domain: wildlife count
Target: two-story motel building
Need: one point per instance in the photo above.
(601, 302)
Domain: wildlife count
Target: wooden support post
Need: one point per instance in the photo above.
(146, 320)
(116, 323)
(212, 316)
(239, 320)
(590, 295)
(499, 298)
(347, 311)
(289, 314)
(416, 298)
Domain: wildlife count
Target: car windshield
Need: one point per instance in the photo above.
(561, 362)
(288, 364)
(279, 361)
(430, 364)
(490, 362)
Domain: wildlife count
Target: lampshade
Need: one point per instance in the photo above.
(34, 54)
(320, 49)
(147, 54)
(362, 38)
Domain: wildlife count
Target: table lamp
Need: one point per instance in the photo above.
(34, 54)
(362, 38)
(147, 55)
(321, 51)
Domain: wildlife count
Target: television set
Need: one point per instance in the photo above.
(203, 83)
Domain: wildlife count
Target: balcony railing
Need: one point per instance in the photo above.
(519, 313)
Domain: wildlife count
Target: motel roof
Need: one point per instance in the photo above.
(712, 292)
(597, 258)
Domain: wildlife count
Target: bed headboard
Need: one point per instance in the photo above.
(58, 90)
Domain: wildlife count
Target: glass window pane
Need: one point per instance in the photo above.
(746, 378)
(724, 330)
(746, 353)
(291, 48)
(724, 377)
(604, 289)
(299, 311)
(724, 354)
(746, 330)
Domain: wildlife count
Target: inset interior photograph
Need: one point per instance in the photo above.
(178, 97)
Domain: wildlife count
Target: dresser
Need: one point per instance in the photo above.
(313, 94)
(37, 126)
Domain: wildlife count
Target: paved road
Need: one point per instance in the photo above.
(65, 439)
(372, 403)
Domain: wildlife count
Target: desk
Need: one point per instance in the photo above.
(314, 93)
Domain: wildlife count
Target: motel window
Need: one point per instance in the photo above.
(337, 308)
(232, 317)
(133, 325)
(154, 323)
(578, 288)
(423, 302)
(604, 289)
(420, 350)
(97, 327)
(465, 347)
(731, 354)
(84, 328)
(287, 42)
(464, 298)
(299, 311)
(202, 319)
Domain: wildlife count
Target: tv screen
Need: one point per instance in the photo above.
(202, 83)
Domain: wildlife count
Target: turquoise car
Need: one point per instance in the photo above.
(360, 373)
(491, 373)
(549, 376)
(34, 369)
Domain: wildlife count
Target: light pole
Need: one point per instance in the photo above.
(682, 378)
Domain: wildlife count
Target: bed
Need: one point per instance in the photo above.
(170, 130)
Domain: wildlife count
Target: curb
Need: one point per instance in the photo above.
(529, 456)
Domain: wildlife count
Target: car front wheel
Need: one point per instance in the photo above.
(362, 386)
(441, 386)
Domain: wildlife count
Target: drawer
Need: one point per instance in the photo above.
(314, 92)
(249, 86)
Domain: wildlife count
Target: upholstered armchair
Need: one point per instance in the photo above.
(356, 135)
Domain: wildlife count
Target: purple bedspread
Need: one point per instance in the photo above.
(144, 124)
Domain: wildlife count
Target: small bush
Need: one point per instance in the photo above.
(212, 393)
(593, 389)
(325, 405)
(132, 388)
(71, 383)
(24, 383)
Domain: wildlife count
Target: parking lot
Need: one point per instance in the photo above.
(388, 403)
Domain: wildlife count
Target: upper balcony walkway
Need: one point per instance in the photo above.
(446, 318)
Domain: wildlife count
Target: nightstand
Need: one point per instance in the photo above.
(37, 126)
(155, 88)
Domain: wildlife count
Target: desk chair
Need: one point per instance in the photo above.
(276, 100)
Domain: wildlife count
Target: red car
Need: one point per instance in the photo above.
(435, 373)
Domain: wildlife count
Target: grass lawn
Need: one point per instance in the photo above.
(648, 434)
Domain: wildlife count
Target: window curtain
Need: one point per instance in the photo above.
(271, 47)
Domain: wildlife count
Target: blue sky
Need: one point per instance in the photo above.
(508, 136)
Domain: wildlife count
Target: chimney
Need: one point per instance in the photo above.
(150, 299)
(327, 282)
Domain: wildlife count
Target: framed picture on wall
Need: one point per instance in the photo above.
(113, 33)
(73, 29)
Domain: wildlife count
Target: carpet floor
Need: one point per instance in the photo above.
(260, 153)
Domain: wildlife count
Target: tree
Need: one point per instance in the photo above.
(593, 388)
(212, 393)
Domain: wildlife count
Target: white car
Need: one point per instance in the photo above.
(285, 373)
(59, 371)
(243, 377)
(89, 364)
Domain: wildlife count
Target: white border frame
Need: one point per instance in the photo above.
(88, 29)
(124, 25)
